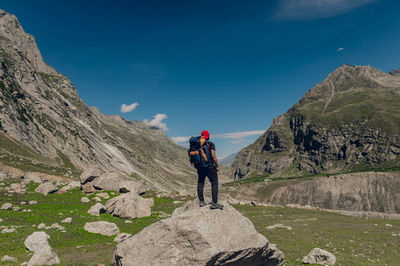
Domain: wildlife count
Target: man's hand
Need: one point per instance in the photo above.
(217, 169)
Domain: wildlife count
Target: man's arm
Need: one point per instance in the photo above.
(215, 159)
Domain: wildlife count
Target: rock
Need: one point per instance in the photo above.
(23, 202)
(16, 208)
(46, 188)
(69, 186)
(388, 225)
(89, 175)
(319, 256)
(85, 200)
(97, 209)
(97, 199)
(17, 188)
(121, 237)
(102, 227)
(67, 220)
(88, 188)
(8, 230)
(1, 220)
(32, 202)
(128, 222)
(131, 186)
(103, 195)
(38, 242)
(108, 181)
(271, 227)
(6, 206)
(7, 258)
(57, 226)
(41, 226)
(129, 205)
(199, 236)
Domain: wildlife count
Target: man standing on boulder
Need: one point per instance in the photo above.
(211, 171)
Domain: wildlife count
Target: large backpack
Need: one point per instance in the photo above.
(198, 159)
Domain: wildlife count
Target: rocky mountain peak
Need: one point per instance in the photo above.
(12, 31)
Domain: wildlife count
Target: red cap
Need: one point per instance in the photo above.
(205, 134)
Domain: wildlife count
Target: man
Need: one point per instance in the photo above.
(210, 171)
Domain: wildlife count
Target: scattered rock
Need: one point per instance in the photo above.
(32, 202)
(6, 206)
(69, 186)
(319, 256)
(388, 225)
(8, 230)
(67, 220)
(97, 199)
(129, 205)
(38, 242)
(1, 220)
(108, 181)
(23, 202)
(97, 209)
(128, 222)
(41, 226)
(7, 258)
(103, 195)
(17, 188)
(102, 227)
(271, 227)
(199, 236)
(16, 208)
(88, 188)
(46, 188)
(131, 186)
(57, 226)
(85, 200)
(177, 202)
(121, 237)
(89, 175)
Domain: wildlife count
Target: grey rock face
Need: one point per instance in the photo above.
(38, 242)
(90, 174)
(97, 209)
(102, 227)
(117, 182)
(121, 237)
(6, 206)
(319, 256)
(199, 236)
(67, 220)
(46, 188)
(129, 205)
(69, 186)
(85, 200)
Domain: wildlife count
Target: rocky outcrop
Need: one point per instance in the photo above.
(38, 242)
(102, 227)
(46, 188)
(97, 209)
(319, 256)
(199, 236)
(366, 192)
(346, 122)
(129, 205)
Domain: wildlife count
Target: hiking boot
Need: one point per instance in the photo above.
(216, 206)
(202, 204)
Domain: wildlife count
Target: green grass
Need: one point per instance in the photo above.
(354, 241)
(76, 246)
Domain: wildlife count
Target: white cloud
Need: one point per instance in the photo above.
(315, 9)
(129, 108)
(157, 121)
(236, 137)
(340, 49)
(180, 139)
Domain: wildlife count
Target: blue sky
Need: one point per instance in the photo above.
(228, 66)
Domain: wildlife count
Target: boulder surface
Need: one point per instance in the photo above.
(46, 188)
(199, 236)
(319, 256)
(38, 242)
(129, 205)
(102, 227)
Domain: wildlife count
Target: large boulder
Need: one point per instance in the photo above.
(129, 205)
(102, 227)
(319, 256)
(69, 186)
(199, 236)
(97, 209)
(7, 206)
(90, 174)
(46, 188)
(38, 242)
(117, 182)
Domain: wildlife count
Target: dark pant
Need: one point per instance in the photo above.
(211, 173)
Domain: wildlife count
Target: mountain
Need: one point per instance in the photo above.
(46, 127)
(348, 122)
(228, 160)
